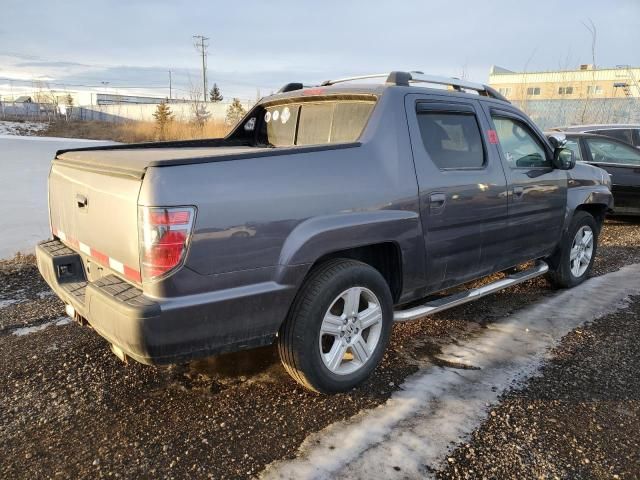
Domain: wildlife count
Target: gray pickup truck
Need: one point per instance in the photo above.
(327, 214)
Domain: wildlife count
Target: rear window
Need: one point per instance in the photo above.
(315, 123)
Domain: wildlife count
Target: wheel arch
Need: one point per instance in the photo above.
(596, 202)
(387, 240)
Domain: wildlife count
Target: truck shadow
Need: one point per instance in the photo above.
(215, 374)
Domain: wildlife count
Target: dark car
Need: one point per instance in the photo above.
(327, 214)
(628, 133)
(619, 159)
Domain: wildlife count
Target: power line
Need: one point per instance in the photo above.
(202, 48)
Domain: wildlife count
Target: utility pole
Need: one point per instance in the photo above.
(170, 85)
(202, 45)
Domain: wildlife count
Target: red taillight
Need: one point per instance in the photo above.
(164, 238)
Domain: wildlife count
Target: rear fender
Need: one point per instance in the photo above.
(327, 234)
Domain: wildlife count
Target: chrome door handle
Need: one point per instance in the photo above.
(437, 202)
(81, 200)
(518, 191)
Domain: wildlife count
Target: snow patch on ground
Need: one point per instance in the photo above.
(21, 128)
(24, 168)
(438, 407)
(9, 301)
(20, 332)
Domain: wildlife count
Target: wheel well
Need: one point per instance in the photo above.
(384, 257)
(596, 210)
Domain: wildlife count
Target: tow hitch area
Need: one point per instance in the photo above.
(73, 314)
(118, 352)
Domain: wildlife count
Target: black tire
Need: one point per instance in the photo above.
(560, 275)
(299, 337)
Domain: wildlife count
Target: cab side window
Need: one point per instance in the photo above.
(452, 139)
(519, 145)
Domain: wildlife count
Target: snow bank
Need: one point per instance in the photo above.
(438, 407)
(21, 128)
(24, 167)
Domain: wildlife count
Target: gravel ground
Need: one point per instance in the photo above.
(69, 408)
(579, 419)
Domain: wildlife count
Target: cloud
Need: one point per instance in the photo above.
(266, 44)
(54, 64)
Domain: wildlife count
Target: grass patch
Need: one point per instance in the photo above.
(134, 131)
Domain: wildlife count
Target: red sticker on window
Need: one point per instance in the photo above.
(493, 136)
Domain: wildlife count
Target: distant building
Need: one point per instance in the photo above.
(115, 99)
(622, 81)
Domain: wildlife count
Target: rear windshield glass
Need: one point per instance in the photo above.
(315, 123)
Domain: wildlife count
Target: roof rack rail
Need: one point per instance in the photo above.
(406, 78)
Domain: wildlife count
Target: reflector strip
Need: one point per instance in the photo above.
(84, 248)
(132, 274)
(105, 260)
(100, 257)
(116, 265)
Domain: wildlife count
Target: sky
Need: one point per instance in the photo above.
(265, 44)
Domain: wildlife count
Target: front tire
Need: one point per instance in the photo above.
(338, 327)
(577, 252)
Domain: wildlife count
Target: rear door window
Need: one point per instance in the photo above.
(452, 139)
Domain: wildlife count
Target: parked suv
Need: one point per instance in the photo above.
(617, 158)
(357, 203)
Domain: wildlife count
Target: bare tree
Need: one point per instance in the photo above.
(199, 111)
(591, 27)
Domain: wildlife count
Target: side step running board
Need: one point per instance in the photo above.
(444, 303)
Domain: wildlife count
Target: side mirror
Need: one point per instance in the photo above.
(564, 159)
(557, 140)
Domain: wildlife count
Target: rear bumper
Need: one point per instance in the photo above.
(164, 331)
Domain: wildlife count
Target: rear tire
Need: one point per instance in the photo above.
(577, 253)
(338, 327)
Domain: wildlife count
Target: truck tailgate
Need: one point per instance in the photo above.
(96, 213)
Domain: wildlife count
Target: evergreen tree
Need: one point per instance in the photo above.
(163, 116)
(235, 112)
(214, 94)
